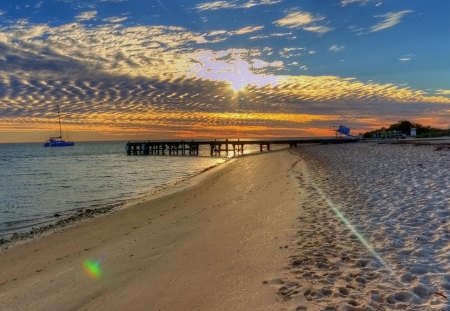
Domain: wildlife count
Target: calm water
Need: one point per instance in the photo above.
(37, 182)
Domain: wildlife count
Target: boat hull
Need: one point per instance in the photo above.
(59, 144)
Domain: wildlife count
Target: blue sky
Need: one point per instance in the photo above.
(139, 69)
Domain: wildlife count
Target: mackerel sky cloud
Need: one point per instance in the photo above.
(85, 16)
(390, 20)
(135, 69)
(217, 5)
(303, 20)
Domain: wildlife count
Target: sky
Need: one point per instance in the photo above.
(179, 69)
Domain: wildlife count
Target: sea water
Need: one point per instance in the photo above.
(37, 183)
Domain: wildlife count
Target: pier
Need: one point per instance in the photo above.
(218, 147)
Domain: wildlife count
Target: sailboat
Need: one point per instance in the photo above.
(58, 141)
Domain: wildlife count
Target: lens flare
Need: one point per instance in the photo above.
(93, 268)
(355, 232)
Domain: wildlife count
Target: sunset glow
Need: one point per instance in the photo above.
(118, 74)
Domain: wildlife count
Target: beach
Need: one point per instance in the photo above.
(207, 245)
(328, 227)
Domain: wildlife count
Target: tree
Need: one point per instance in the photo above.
(402, 126)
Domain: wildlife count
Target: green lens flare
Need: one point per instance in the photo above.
(353, 229)
(93, 268)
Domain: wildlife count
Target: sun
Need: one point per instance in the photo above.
(238, 73)
(238, 85)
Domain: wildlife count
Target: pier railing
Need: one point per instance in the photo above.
(218, 147)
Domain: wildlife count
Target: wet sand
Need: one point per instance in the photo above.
(207, 245)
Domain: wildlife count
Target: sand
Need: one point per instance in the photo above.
(334, 227)
(207, 245)
(374, 229)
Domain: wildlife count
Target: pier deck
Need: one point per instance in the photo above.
(218, 147)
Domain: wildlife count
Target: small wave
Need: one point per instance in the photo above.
(11, 227)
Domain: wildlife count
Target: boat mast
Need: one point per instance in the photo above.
(59, 120)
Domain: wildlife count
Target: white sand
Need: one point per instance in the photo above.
(374, 231)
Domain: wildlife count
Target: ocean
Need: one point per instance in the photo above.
(37, 183)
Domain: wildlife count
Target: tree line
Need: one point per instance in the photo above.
(405, 126)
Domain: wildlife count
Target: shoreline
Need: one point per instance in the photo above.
(224, 236)
(84, 214)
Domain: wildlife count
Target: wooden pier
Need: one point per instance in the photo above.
(218, 147)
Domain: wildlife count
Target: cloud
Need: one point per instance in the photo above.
(44, 62)
(215, 5)
(246, 30)
(115, 19)
(443, 92)
(142, 80)
(217, 33)
(292, 52)
(347, 2)
(85, 16)
(302, 20)
(389, 20)
(252, 3)
(360, 2)
(193, 107)
(336, 48)
(215, 36)
(318, 29)
(276, 34)
(298, 66)
(160, 52)
(219, 5)
(137, 50)
(329, 88)
(407, 58)
(222, 35)
(297, 19)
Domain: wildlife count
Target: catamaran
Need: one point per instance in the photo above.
(57, 141)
